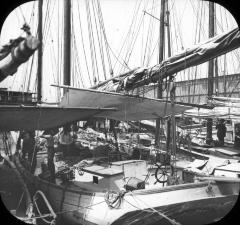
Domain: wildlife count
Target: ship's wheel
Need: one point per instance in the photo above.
(162, 173)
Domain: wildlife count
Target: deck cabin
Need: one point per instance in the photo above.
(129, 174)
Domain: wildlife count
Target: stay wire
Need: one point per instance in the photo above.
(82, 41)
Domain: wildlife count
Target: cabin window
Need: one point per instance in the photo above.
(95, 180)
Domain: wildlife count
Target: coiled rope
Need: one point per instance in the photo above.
(114, 198)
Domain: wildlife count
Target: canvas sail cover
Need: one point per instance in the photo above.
(217, 112)
(29, 118)
(225, 108)
(128, 107)
(196, 55)
(226, 101)
(16, 52)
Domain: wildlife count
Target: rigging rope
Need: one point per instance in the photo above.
(99, 38)
(136, 8)
(172, 221)
(84, 51)
(101, 21)
(92, 45)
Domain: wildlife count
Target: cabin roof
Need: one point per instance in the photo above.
(118, 163)
(102, 171)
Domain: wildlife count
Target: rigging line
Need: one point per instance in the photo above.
(30, 72)
(142, 44)
(129, 30)
(177, 26)
(48, 25)
(90, 42)
(199, 20)
(176, 35)
(227, 25)
(148, 34)
(46, 16)
(117, 59)
(73, 52)
(151, 42)
(220, 24)
(131, 33)
(105, 36)
(93, 44)
(130, 40)
(162, 214)
(53, 61)
(84, 51)
(79, 207)
(195, 13)
(25, 77)
(77, 59)
(59, 49)
(99, 40)
(18, 19)
(95, 72)
(154, 49)
(133, 41)
(21, 12)
(173, 4)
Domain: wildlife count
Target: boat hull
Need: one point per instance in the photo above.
(196, 203)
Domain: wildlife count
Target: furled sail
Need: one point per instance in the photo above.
(199, 54)
(16, 52)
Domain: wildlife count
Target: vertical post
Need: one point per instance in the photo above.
(216, 76)
(67, 43)
(160, 59)
(210, 71)
(224, 78)
(39, 68)
(172, 98)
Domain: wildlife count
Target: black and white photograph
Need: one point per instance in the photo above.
(120, 112)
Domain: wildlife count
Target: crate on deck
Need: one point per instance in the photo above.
(134, 184)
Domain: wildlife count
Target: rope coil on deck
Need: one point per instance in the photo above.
(114, 198)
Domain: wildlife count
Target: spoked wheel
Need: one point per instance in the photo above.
(161, 174)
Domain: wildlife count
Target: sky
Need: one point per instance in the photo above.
(129, 39)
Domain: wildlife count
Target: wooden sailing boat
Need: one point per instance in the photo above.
(99, 195)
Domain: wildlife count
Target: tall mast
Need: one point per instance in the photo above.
(210, 69)
(160, 59)
(39, 68)
(67, 43)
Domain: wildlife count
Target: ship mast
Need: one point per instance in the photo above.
(210, 69)
(67, 43)
(39, 68)
(160, 59)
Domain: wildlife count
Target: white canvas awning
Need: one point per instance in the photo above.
(128, 107)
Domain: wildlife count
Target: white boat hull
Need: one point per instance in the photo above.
(196, 203)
